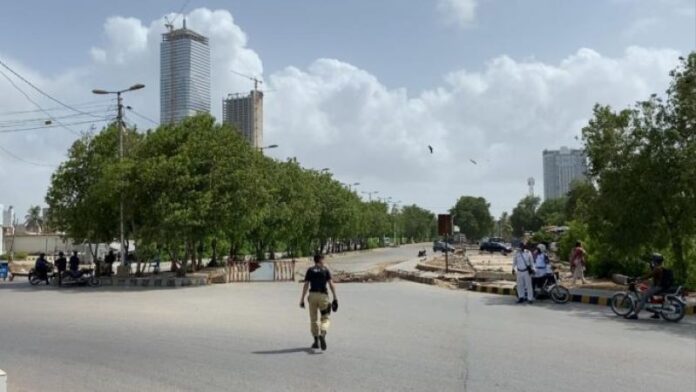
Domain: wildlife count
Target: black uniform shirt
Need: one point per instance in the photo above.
(318, 278)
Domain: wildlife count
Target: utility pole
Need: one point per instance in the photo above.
(121, 131)
(119, 118)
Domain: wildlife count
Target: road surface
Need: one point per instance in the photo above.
(397, 336)
(368, 260)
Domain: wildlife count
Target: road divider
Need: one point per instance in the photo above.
(602, 300)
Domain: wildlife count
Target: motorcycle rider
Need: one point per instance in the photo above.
(61, 265)
(657, 274)
(41, 267)
(74, 265)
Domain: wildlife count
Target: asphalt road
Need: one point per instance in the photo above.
(397, 336)
(368, 260)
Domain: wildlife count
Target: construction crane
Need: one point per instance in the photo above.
(256, 81)
(170, 24)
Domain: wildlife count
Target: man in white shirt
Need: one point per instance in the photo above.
(523, 268)
(542, 267)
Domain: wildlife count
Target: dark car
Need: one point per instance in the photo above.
(495, 247)
(440, 246)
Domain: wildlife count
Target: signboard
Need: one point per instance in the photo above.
(444, 224)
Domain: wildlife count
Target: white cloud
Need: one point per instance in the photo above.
(458, 12)
(333, 114)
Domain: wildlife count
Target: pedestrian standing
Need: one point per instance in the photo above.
(523, 268)
(578, 262)
(317, 279)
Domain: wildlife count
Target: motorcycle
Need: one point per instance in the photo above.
(670, 304)
(551, 288)
(35, 279)
(84, 277)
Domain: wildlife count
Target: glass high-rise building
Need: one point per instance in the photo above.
(184, 75)
(561, 168)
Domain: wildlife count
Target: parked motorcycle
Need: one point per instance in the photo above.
(35, 279)
(84, 277)
(552, 289)
(670, 304)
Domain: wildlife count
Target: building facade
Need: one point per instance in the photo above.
(561, 168)
(245, 113)
(184, 75)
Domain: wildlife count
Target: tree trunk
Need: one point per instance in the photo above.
(213, 260)
(680, 265)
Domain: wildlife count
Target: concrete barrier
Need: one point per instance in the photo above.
(3, 381)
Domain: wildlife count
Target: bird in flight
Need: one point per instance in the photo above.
(473, 161)
(430, 148)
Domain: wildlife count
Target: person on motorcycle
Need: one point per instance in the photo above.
(61, 265)
(75, 265)
(41, 267)
(656, 273)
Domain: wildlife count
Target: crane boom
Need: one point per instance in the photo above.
(255, 80)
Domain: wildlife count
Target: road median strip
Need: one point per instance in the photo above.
(584, 299)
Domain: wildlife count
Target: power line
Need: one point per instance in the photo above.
(41, 91)
(54, 126)
(17, 157)
(142, 116)
(29, 121)
(32, 101)
(85, 105)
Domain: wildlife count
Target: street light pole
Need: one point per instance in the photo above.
(119, 118)
(121, 131)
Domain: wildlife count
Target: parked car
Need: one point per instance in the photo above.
(440, 246)
(495, 247)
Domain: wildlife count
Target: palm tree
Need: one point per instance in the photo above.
(33, 220)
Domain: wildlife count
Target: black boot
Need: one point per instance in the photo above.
(655, 316)
(322, 341)
(316, 342)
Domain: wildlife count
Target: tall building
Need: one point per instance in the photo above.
(245, 112)
(184, 75)
(561, 167)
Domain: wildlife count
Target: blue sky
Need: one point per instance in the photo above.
(362, 86)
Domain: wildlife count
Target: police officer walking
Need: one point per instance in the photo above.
(317, 279)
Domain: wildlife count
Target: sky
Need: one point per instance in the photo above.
(361, 87)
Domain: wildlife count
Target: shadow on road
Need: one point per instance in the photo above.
(289, 351)
(603, 314)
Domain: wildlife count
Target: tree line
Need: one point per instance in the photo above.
(197, 189)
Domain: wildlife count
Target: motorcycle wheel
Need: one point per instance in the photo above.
(622, 304)
(33, 279)
(93, 281)
(560, 294)
(677, 315)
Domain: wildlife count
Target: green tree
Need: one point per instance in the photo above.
(524, 216)
(417, 223)
(643, 161)
(472, 215)
(552, 212)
